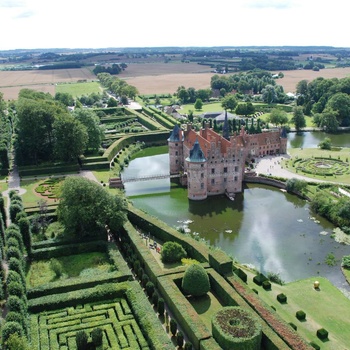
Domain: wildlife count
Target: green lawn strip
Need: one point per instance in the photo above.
(346, 273)
(206, 307)
(324, 309)
(79, 89)
(40, 272)
(3, 184)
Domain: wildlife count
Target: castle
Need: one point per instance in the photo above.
(212, 164)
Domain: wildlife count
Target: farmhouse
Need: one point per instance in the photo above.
(212, 164)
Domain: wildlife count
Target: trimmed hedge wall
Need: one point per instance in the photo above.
(33, 171)
(221, 262)
(98, 293)
(147, 319)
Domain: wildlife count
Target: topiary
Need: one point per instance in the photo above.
(195, 281)
(81, 340)
(172, 252)
(160, 306)
(96, 336)
(236, 328)
(173, 327)
(11, 328)
(179, 339)
(300, 315)
(155, 298)
(149, 288)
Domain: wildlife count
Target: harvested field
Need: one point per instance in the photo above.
(167, 77)
(11, 82)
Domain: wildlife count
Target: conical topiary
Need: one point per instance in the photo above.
(196, 281)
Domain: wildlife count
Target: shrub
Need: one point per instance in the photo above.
(145, 280)
(266, 285)
(81, 340)
(56, 267)
(300, 315)
(195, 280)
(236, 328)
(179, 339)
(155, 298)
(160, 306)
(172, 252)
(322, 333)
(13, 276)
(293, 326)
(241, 274)
(315, 346)
(14, 210)
(16, 342)
(13, 252)
(150, 289)
(97, 336)
(11, 328)
(173, 327)
(15, 304)
(188, 346)
(16, 288)
(259, 279)
(282, 298)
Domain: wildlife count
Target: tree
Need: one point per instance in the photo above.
(269, 94)
(229, 102)
(112, 102)
(81, 340)
(340, 103)
(196, 281)
(172, 252)
(278, 117)
(65, 98)
(327, 120)
(91, 121)
(71, 138)
(17, 342)
(198, 104)
(85, 207)
(298, 118)
(326, 143)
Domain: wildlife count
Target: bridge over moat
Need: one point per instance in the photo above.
(118, 182)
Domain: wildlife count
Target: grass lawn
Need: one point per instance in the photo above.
(79, 89)
(324, 309)
(3, 184)
(74, 265)
(337, 154)
(206, 306)
(150, 151)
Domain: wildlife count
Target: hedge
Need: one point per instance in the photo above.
(147, 319)
(98, 293)
(322, 333)
(221, 262)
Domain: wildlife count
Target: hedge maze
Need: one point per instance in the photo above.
(57, 329)
(322, 166)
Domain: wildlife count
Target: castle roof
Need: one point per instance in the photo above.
(196, 154)
(176, 134)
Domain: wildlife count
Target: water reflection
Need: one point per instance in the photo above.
(312, 139)
(263, 226)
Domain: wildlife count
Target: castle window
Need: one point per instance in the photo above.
(213, 170)
(225, 169)
(202, 175)
(213, 181)
(236, 168)
(202, 165)
(225, 179)
(176, 153)
(176, 144)
(235, 178)
(202, 186)
(177, 161)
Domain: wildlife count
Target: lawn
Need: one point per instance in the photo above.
(79, 89)
(3, 184)
(337, 154)
(73, 266)
(324, 309)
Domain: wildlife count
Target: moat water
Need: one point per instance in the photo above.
(264, 227)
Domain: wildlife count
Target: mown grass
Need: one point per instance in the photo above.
(324, 308)
(40, 272)
(342, 154)
(79, 89)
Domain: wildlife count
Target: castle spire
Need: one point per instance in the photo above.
(226, 128)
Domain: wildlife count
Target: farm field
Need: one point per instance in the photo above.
(167, 77)
(11, 82)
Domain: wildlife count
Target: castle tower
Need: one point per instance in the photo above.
(196, 173)
(283, 139)
(175, 143)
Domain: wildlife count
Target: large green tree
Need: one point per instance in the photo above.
(85, 207)
(278, 117)
(298, 118)
(71, 138)
(229, 102)
(91, 121)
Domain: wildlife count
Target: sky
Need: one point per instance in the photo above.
(30, 24)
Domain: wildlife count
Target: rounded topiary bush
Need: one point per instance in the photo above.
(97, 336)
(235, 328)
(172, 252)
(195, 281)
(11, 328)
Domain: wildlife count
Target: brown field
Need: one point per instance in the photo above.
(148, 78)
(11, 82)
(167, 77)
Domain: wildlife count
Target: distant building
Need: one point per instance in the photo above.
(211, 164)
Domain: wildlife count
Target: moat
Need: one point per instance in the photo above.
(269, 229)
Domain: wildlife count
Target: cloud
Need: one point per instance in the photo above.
(271, 4)
(12, 3)
(25, 14)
